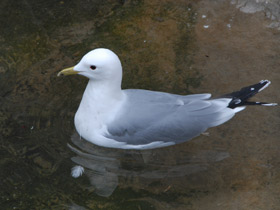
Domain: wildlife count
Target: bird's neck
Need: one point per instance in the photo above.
(103, 92)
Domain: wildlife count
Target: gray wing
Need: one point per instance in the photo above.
(150, 116)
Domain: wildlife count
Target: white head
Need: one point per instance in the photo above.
(99, 65)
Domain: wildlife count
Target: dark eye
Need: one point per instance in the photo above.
(93, 67)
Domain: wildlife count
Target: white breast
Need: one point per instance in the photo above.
(93, 116)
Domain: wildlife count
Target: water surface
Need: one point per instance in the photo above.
(175, 46)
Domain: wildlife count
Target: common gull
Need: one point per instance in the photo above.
(141, 119)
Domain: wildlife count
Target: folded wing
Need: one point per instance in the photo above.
(150, 116)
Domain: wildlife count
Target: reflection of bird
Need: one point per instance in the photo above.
(104, 166)
(140, 119)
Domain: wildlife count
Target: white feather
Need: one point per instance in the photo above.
(77, 171)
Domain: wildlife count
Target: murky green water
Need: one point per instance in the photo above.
(174, 46)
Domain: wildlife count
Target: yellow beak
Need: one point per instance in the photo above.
(67, 71)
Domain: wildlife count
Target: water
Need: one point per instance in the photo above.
(163, 45)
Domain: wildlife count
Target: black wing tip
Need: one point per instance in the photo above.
(265, 83)
(240, 98)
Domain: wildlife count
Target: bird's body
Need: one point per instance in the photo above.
(140, 119)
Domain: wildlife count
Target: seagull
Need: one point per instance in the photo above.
(141, 119)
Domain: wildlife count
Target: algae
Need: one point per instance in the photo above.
(37, 108)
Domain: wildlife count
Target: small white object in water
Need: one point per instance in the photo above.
(77, 171)
(206, 26)
(205, 134)
(228, 25)
(203, 16)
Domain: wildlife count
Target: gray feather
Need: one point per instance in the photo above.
(156, 116)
